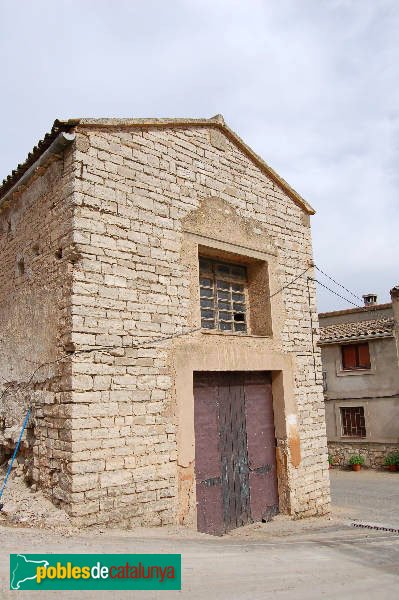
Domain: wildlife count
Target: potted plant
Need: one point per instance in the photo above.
(356, 461)
(330, 461)
(392, 461)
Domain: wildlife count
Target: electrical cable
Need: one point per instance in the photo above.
(177, 335)
(174, 336)
(288, 284)
(184, 333)
(336, 293)
(311, 328)
(337, 283)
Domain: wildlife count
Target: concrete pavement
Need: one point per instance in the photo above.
(284, 560)
(367, 495)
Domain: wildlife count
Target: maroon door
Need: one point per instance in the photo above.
(233, 451)
(261, 442)
(235, 461)
(210, 517)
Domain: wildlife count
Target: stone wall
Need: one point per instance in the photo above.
(35, 294)
(134, 189)
(373, 453)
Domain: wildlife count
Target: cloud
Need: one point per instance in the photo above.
(312, 86)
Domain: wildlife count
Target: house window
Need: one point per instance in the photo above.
(355, 356)
(353, 423)
(223, 296)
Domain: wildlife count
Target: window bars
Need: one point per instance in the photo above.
(223, 296)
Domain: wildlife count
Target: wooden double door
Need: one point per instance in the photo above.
(235, 450)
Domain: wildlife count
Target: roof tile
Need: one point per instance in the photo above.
(359, 330)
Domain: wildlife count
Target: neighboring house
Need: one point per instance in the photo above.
(154, 309)
(395, 309)
(361, 382)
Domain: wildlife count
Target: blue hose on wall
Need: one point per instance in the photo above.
(13, 456)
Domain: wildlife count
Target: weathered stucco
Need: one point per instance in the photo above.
(375, 389)
(380, 381)
(395, 309)
(146, 201)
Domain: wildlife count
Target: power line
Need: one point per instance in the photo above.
(370, 308)
(288, 284)
(177, 335)
(136, 345)
(311, 327)
(336, 293)
(157, 340)
(337, 283)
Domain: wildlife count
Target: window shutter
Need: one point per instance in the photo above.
(349, 357)
(364, 356)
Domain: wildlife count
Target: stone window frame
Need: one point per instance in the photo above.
(259, 309)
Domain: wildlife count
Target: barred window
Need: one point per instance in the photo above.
(223, 293)
(353, 421)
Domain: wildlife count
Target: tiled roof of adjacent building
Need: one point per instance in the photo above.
(216, 122)
(355, 331)
(353, 311)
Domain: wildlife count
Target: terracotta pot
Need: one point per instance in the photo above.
(356, 467)
(393, 467)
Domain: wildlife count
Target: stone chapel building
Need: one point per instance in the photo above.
(156, 314)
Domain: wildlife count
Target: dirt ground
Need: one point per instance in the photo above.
(285, 559)
(23, 505)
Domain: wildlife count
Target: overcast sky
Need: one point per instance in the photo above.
(310, 85)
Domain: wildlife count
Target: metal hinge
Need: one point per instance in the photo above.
(212, 481)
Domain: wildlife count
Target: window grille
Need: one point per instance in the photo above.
(223, 296)
(353, 421)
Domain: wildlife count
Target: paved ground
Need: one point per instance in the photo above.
(367, 495)
(283, 560)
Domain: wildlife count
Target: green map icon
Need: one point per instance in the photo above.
(24, 570)
(95, 571)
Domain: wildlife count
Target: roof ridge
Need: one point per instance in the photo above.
(364, 321)
(360, 309)
(217, 121)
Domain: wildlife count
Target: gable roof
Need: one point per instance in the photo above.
(216, 122)
(356, 331)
